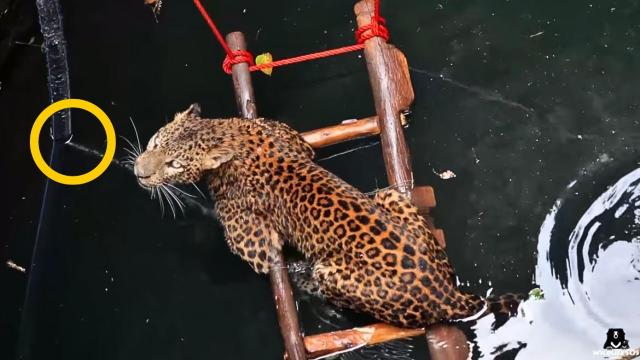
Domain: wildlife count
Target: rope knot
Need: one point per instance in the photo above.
(376, 28)
(236, 57)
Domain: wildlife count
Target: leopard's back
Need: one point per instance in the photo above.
(372, 254)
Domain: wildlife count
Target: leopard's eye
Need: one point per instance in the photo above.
(174, 164)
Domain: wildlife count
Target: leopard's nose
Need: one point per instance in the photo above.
(146, 165)
(139, 170)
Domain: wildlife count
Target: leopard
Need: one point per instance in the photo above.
(374, 255)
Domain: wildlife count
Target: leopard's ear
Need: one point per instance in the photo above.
(217, 157)
(192, 111)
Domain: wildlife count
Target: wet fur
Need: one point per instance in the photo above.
(371, 255)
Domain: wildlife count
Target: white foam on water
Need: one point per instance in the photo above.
(571, 322)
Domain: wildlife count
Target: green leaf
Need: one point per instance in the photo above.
(265, 58)
(537, 294)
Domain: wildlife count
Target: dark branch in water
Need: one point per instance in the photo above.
(97, 154)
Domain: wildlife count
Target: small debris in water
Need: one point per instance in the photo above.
(536, 34)
(537, 294)
(156, 6)
(15, 266)
(475, 156)
(445, 175)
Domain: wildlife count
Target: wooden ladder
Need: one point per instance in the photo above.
(393, 94)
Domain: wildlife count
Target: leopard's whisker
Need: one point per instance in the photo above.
(135, 130)
(128, 159)
(161, 198)
(179, 202)
(131, 152)
(170, 201)
(181, 205)
(181, 191)
(161, 201)
(133, 149)
(163, 189)
(198, 189)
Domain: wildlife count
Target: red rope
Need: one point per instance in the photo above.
(237, 57)
(213, 27)
(307, 57)
(376, 28)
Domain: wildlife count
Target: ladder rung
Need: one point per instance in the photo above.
(345, 131)
(338, 341)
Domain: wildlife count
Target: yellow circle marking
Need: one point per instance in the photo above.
(34, 144)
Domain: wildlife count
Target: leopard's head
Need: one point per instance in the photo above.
(189, 146)
(181, 151)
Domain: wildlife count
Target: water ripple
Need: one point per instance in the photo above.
(590, 285)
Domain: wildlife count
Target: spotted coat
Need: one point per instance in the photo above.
(374, 255)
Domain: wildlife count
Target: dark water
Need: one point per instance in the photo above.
(533, 105)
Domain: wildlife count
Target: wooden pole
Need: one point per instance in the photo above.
(389, 77)
(280, 285)
(242, 86)
(391, 85)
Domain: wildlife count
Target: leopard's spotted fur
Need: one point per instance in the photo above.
(372, 255)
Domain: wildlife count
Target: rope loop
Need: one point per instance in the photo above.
(376, 28)
(236, 57)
